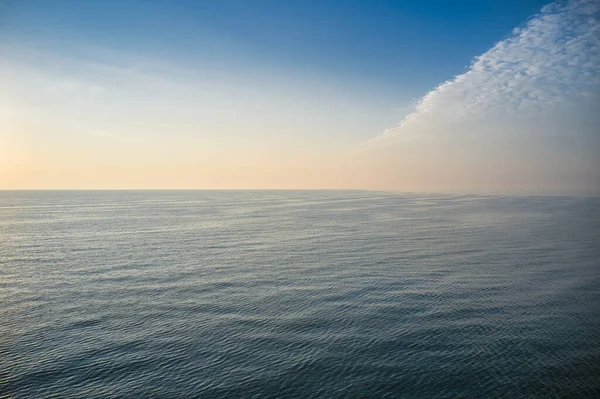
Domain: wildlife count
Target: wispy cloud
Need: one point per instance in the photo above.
(553, 59)
(73, 87)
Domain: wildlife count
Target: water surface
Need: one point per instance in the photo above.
(298, 294)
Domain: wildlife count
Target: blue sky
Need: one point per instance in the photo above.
(458, 96)
(403, 48)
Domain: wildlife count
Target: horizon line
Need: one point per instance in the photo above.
(398, 192)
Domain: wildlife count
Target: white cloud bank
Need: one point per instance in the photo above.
(552, 60)
(525, 114)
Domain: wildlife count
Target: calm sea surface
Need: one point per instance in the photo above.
(298, 294)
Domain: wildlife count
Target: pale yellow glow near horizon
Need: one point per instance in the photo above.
(315, 174)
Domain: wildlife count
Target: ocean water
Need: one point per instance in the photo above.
(298, 294)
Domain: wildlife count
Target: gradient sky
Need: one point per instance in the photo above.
(440, 96)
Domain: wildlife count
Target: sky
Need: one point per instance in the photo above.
(496, 96)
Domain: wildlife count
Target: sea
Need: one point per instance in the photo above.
(298, 294)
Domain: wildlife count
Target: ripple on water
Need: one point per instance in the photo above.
(298, 294)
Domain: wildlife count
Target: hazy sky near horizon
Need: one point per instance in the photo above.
(439, 96)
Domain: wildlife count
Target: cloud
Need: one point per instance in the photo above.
(522, 119)
(551, 61)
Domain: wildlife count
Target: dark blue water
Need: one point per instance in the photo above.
(298, 295)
